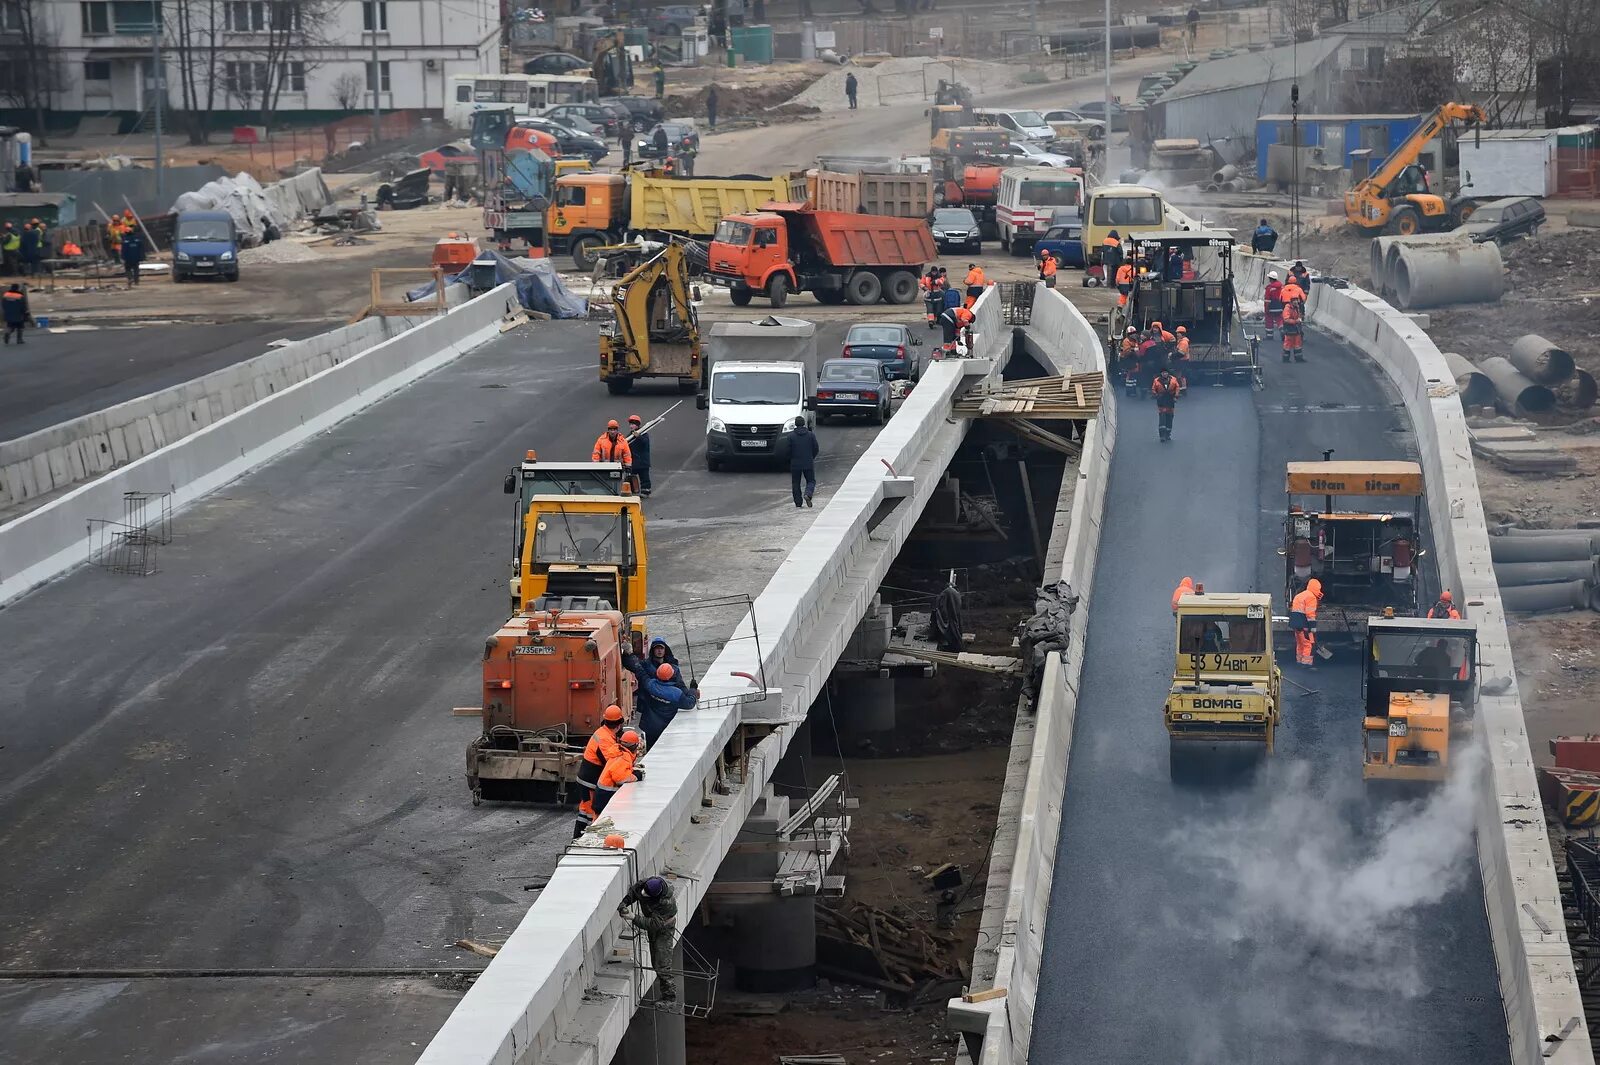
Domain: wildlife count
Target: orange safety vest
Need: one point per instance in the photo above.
(1291, 313)
(1111, 242)
(963, 316)
(1292, 293)
(1183, 347)
(975, 276)
(1125, 274)
(1166, 394)
(602, 746)
(607, 451)
(1049, 266)
(1442, 609)
(1306, 603)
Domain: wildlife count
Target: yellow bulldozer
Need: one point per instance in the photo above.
(655, 331)
(1226, 688)
(1397, 198)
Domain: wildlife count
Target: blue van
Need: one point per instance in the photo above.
(1064, 239)
(205, 244)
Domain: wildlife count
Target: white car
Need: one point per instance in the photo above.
(1037, 156)
(1089, 127)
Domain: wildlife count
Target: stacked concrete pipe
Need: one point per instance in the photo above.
(1384, 252)
(1547, 569)
(1541, 361)
(1539, 548)
(1521, 574)
(1473, 385)
(1518, 395)
(1593, 535)
(1435, 275)
(1545, 598)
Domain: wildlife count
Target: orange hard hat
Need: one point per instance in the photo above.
(634, 419)
(616, 841)
(1155, 325)
(612, 424)
(630, 738)
(1183, 329)
(612, 713)
(664, 671)
(1445, 596)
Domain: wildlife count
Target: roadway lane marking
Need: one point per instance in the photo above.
(1337, 408)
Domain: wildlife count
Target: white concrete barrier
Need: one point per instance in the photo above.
(555, 992)
(1521, 896)
(1060, 336)
(83, 448)
(48, 541)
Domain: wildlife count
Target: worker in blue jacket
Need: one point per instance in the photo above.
(639, 443)
(662, 690)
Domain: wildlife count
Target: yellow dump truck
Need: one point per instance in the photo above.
(1226, 688)
(1419, 688)
(595, 210)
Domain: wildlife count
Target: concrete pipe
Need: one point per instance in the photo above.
(1593, 535)
(1435, 275)
(1518, 395)
(1227, 173)
(1540, 360)
(1521, 574)
(1385, 254)
(1538, 598)
(1472, 384)
(1578, 391)
(1539, 549)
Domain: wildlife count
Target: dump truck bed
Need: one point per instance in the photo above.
(694, 206)
(850, 239)
(897, 195)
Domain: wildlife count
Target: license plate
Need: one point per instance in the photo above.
(852, 396)
(533, 649)
(752, 443)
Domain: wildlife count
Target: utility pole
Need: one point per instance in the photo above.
(377, 76)
(1105, 156)
(160, 84)
(1294, 171)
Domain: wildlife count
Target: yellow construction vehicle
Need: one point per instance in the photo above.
(1395, 198)
(1226, 688)
(578, 534)
(655, 332)
(1419, 689)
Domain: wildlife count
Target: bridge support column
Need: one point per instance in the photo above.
(655, 1037)
(871, 638)
(863, 705)
(775, 943)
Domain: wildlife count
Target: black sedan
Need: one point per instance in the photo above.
(888, 344)
(610, 122)
(555, 63)
(568, 140)
(956, 227)
(1504, 221)
(646, 111)
(682, 139)
(853, 388)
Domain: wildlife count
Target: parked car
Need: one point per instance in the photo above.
(1037, 156)
(670, 21)
(853, 388)
(887, 343)
(569, 142)
(645, 110)
(1096, 109)
(956, 227)
(575, 122)
(681, 137)
(1504, 221)
(555, 63)
(1093, 128)
(434, 160)
(609, 121)
(205, 244)
(1064, 240)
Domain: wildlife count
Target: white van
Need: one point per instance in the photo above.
(1029, 200)
(1029, 125)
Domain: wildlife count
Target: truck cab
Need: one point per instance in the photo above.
(751, 248)
(752, 410)
(1419, 687)
(587, 212)
(1226, 687)
(579, 532)
(205, 244)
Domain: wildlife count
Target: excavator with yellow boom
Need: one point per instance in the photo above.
(1395, 198)
(656, 332)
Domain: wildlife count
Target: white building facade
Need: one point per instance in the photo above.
(238, 56)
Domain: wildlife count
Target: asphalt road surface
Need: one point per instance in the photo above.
(57, 376)
(247, 762)
(1292, 917)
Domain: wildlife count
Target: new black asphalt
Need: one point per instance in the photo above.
(1296, 918)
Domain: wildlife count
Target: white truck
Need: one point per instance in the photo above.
(760, 378)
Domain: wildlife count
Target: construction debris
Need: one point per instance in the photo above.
(867, 946)
(477, 948)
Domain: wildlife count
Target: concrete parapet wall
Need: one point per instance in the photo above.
(84, 448)
(1521, 896)
(51, 539)
(534, 1002)
(1064, 341)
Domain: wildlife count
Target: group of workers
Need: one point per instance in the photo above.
(950, 308)
(24, 249)
(1284, 309)
(1162, 358)
(632, 451)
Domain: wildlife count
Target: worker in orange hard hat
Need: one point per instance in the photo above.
(602, 746)
(975, 282)
(639, 445)
(1294, 328)
(619, 770)
(1445, 607)
(1303, 621)
(1185, 587)
(611, 446)
(1165, 390)
(1180, 358)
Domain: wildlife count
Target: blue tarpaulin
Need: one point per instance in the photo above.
(539, 287)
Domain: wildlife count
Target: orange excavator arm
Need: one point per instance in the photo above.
(1371, 187)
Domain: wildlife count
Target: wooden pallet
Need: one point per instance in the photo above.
(1075, 397)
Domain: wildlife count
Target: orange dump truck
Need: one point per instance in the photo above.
(837, 256)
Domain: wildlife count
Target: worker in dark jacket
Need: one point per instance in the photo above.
(1265, 238)
(803, 452)
(29, 248)
(132, 255)
(639, 443)
(662, 691)
(15, 303)
(658, 920)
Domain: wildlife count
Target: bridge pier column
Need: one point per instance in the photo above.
(871, 638)
(655, 1037)
(775, 943)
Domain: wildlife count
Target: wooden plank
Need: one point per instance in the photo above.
(984, 996)
(1077, 388)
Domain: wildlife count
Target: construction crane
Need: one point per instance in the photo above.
(1395, 198)
(656, 332)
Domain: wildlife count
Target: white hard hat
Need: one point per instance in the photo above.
(1273, 274)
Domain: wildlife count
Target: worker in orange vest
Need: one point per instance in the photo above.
(1185, 587)
(602, 747)
(1303, 621)
(975, 283)
(1293, 330)
(619, 770)
(1445, 607)
(612, 446)
(1180, 358)
(1110, 255)
(1047, 270)
(1124, 283)
(1165, 389)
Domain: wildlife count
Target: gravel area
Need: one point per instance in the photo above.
(279, 251)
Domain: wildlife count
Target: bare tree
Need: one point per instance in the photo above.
(286, 49)
(350, 89)
(193, 31)
(31, 68)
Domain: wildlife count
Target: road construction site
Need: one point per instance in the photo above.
(240, 831)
